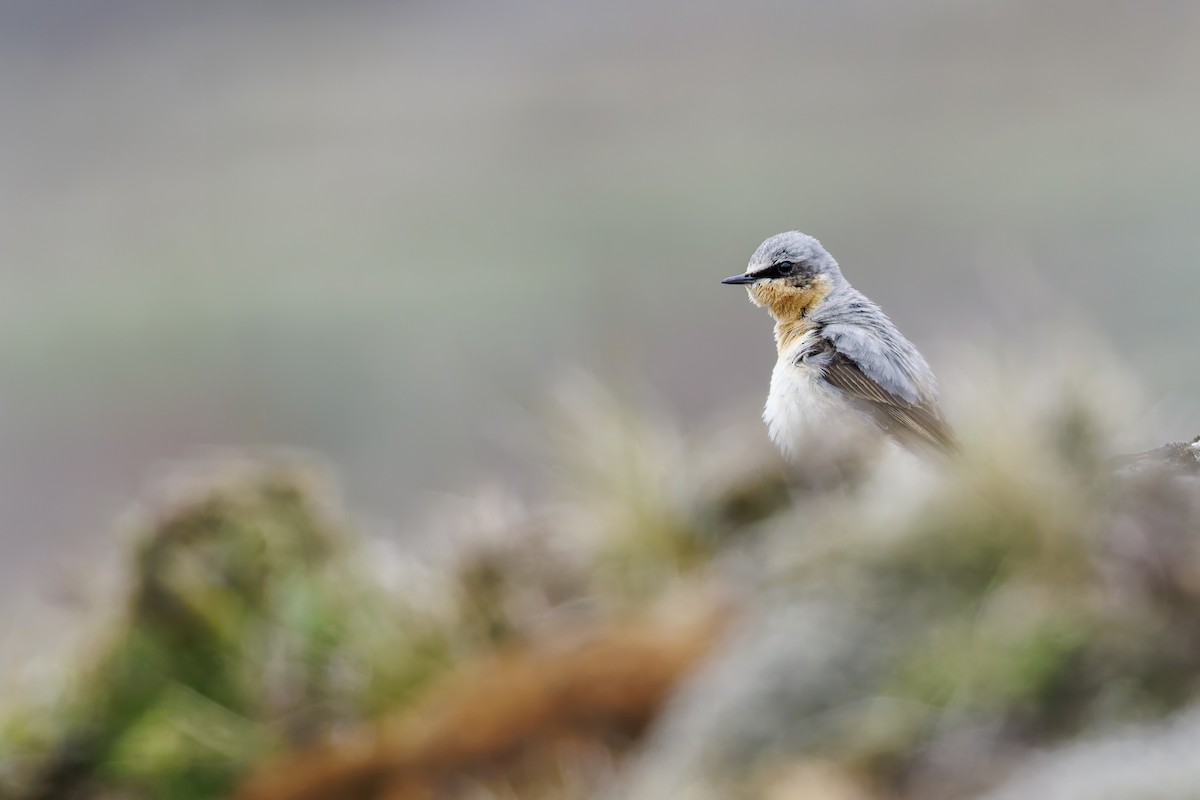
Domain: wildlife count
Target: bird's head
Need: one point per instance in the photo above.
(789, 274)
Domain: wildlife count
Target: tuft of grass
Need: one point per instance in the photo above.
(251, 626)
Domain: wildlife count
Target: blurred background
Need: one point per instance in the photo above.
(381, 230)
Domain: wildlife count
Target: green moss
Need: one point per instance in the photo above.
(1032, 673)
(248, 629)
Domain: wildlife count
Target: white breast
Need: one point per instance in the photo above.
(801, 405)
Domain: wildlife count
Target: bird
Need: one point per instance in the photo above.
(841, 361)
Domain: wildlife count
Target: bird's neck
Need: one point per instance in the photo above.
(791, 307)
(788, 332)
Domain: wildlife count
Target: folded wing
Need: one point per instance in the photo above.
(885, 387)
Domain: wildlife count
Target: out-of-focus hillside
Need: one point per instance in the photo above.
(377, 229)
(683, 616)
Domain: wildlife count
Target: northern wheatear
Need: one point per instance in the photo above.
(841, 360)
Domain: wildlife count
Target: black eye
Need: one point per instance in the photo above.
(785, 267)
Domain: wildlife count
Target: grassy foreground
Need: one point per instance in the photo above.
(678, 618)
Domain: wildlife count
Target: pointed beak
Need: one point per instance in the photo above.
(739, 279)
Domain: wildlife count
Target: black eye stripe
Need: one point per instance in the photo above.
(779, 270)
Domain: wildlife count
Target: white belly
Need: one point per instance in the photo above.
(802, 406)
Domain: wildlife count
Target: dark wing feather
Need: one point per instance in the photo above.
(918, 424)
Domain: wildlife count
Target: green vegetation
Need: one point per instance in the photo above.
(1026, 590)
